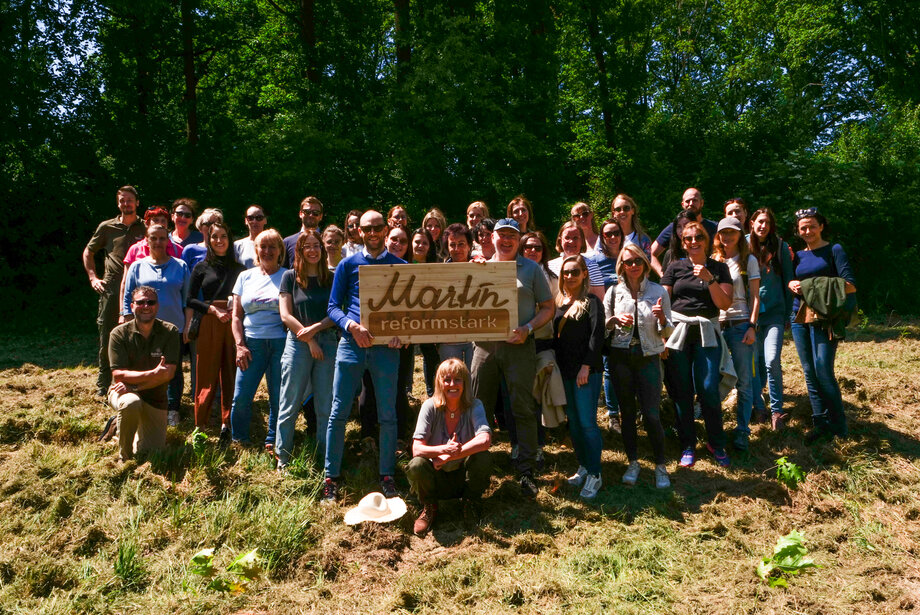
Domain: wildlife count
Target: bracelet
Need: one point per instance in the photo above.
(711, 282)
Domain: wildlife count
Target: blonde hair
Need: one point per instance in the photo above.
(479, 205)
(452, 367)
(436, 214)
(636, 251)
(207, 215)
(274, 236)
(580, 303)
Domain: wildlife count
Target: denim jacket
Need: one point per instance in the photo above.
(619, 301)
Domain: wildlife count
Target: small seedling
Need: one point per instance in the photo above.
(199, 442)
(244, 569)
(788, 473)
(789, 558)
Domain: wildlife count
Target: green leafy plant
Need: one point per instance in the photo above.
(199, 442)
(788, 473)
(789, 558)
(243, 570)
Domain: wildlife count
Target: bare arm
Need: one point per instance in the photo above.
(243, 356)
(90, 267)
(286, 307)
(656, 252)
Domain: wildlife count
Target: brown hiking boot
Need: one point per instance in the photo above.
(425, 520)
(779, 421)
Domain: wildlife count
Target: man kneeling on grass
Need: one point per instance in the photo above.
(144, 354)
(450, 446)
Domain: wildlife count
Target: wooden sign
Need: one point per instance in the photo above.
(439, 302)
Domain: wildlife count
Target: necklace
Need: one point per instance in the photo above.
(453, 415)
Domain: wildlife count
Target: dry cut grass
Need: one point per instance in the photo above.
(85, 533)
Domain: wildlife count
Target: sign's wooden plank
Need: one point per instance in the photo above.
(439, 302)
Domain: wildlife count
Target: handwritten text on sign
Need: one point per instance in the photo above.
(439, 302)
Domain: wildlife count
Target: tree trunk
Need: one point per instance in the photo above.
(403, 49)
(190, 98)
(308, 39)
(603, 89)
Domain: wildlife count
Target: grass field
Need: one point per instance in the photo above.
(81, 532)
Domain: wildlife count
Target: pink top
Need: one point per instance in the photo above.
(140, 250)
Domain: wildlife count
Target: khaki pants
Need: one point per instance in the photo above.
(141, 427)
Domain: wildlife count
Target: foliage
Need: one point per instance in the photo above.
(789, 558)
(244, 569)
(789, 473)
(128, 565)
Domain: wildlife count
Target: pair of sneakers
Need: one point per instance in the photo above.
(590, 483)
(331, 489)
(662, 480)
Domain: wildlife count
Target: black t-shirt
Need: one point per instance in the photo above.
(310, 303)
(690, 295)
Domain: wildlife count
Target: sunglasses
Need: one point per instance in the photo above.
(537, 248)
(612, 234)
(571, 273)
(694, 238)
(353, 226)
(633, 262)
(373, 228)
(256, 217)
(622, 208)
(182, 214)
(145, 302)
(311, 212)
(580, 215)
(811, 212)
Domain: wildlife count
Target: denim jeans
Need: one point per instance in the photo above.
(610, 394)
(768, 367)
(459, 350)
(635, 375)
(696, 368)
(743, 360)
(174, 388)
(817, 353)
(581, 409)
(266, 360)
(299, 372)
(350, 362)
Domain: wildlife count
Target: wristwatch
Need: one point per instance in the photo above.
(711, 281)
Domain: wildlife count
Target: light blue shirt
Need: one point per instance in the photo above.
(259, 297)
(170, 280)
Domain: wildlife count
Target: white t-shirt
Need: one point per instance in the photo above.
(245, 251)
(740, 309)
(259, 296)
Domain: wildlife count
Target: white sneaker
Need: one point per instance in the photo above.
(592, 486)
(579, 477)
(662, 481)
(515, 451)
(172, 418)
(632, 473)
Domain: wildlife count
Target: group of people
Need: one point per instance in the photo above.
(592, 323)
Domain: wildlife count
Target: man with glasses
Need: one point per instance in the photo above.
(311, 214)
(516, 358)
(144, 354)
(245, 248)
(692, 200)
(356, 353)
(114, 237)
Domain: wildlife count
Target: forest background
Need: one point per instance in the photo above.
(371, 103)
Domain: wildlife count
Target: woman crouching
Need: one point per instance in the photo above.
(450, 446)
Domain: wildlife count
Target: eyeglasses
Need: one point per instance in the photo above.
(623, 208)
(311, 212)
(182, 214)
(533, 247)
(353, 226)
(694, 238)
(255, 218)
(571, 273)
(811, 212)
(612, 234)
(145, 302)
(580, 215)
(373, 228)
(633, 262)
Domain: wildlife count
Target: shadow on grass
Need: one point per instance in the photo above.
(50, 350)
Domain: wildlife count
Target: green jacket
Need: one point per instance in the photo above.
(828, 298)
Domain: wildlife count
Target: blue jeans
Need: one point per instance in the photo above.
(174, 388)
(743, 360)
(817, 353)
(350, 362)
(266, 359)
(581, 409)
(768, 368)
(299, 372)
(610, 394)
(459, 350)
(696, 368)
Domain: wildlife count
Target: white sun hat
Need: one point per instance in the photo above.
(374, 507)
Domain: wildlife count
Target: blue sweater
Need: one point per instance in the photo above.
(344, 300)
(830, 261)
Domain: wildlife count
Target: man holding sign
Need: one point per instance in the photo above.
(356, 353)
(516, 358)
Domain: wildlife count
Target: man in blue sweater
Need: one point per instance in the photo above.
(356, 353)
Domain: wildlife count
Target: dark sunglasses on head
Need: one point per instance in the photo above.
(570, 273)
(373, 228)
(612, 234)
(255, 217)
(183, 214)
(697, 238)
(311, 212)
(622, 208)
(811, 212)
(633, 262)
(145, 302)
